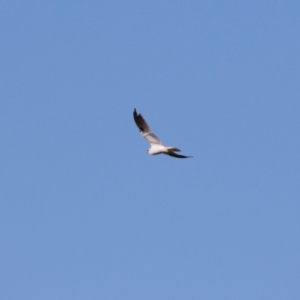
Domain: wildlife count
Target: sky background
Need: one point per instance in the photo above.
(86, 213)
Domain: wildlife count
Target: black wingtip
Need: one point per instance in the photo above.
(136, 118)
(135, 114)
(173, 154)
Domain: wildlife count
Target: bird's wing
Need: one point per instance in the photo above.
(145, 129)
(171, 153)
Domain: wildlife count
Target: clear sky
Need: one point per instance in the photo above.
(86, 213)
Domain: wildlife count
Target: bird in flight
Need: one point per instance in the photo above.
(156, 145)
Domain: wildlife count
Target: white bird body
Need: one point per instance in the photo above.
(157, 149)
(156, 145)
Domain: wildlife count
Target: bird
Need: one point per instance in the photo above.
(157, 146)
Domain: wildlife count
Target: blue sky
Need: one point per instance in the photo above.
(86, 213)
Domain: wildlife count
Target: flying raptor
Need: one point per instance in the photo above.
(156, 145)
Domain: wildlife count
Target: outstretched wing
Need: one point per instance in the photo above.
(171, 153)
(145, 129)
